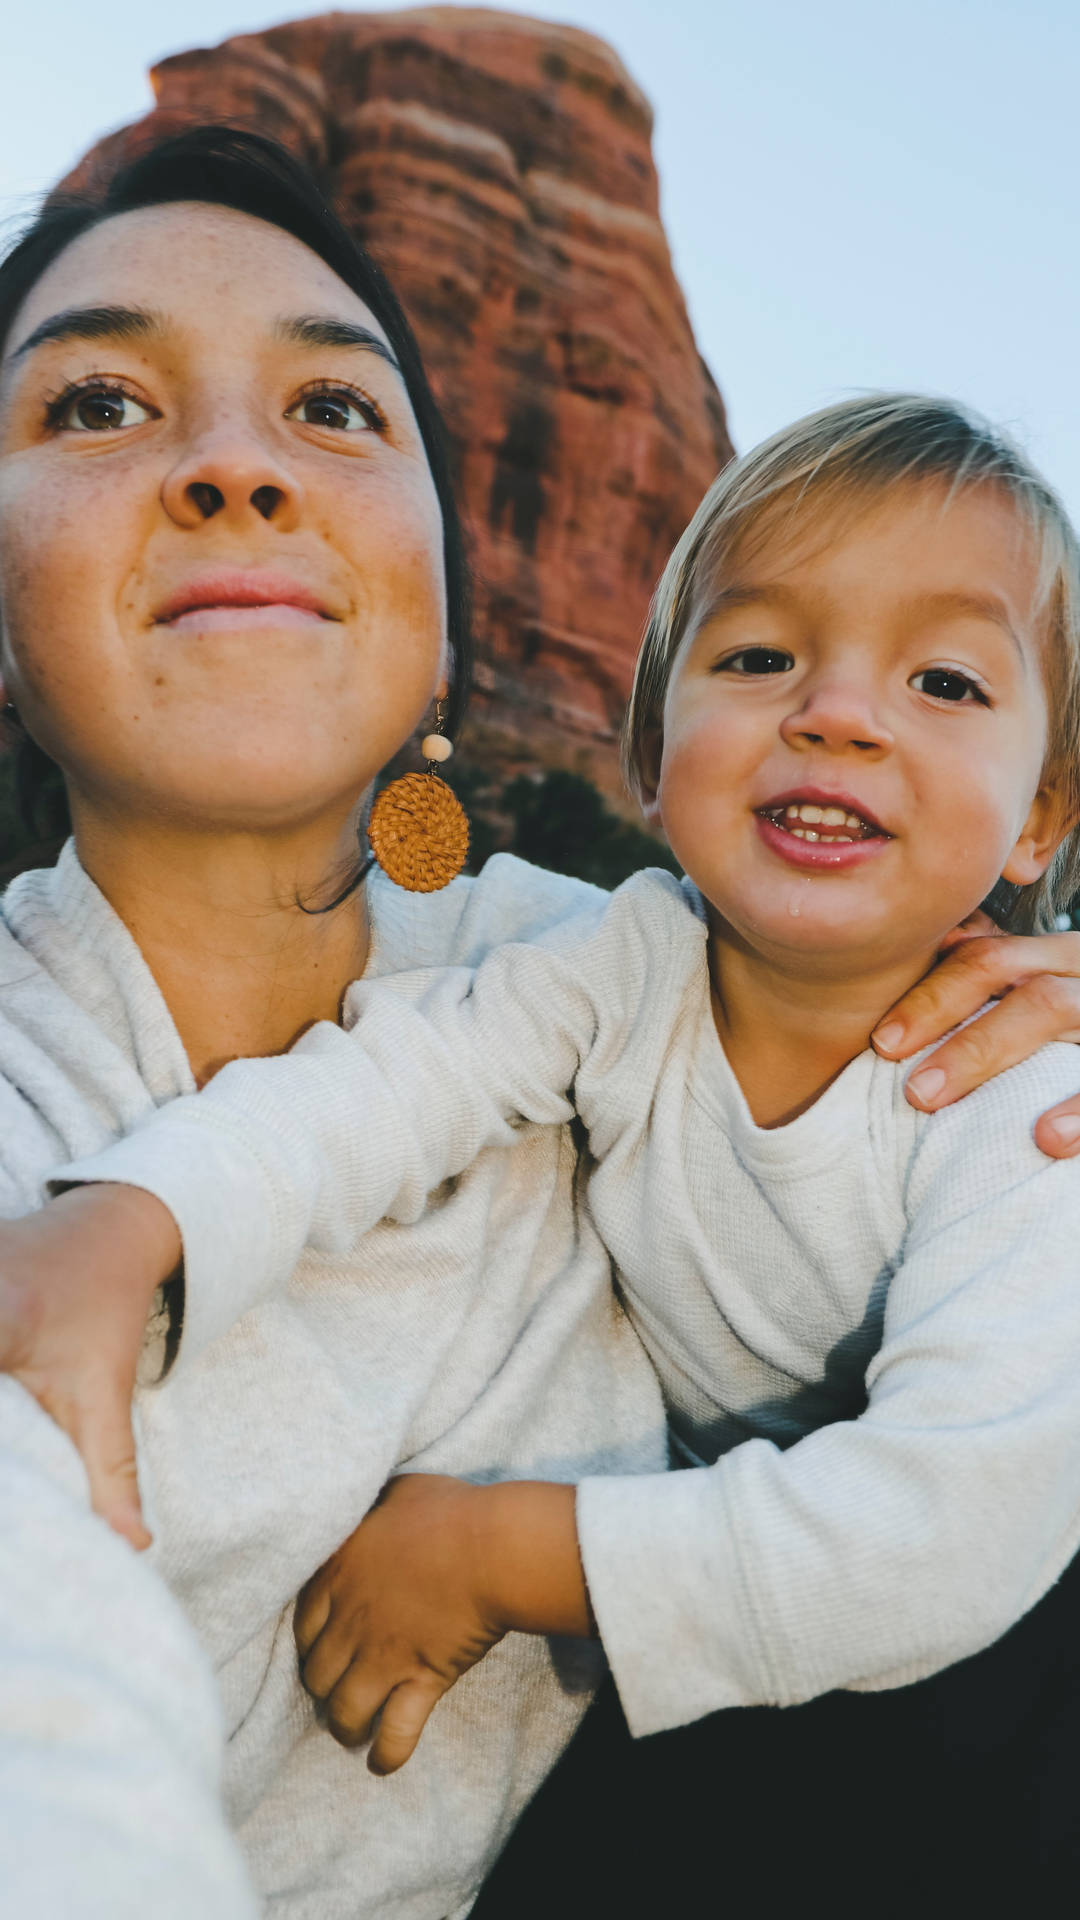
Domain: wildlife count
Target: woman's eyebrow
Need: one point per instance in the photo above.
(322, 330)
(93, 323)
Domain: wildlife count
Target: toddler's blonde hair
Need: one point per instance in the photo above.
(833, 463)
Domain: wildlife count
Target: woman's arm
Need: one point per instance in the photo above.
(77, 1282)
(111, 1740)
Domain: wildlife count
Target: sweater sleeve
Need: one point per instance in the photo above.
(879, 1550)
(110, 1729)
(351, 1127)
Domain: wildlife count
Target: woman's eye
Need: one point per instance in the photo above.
(757, 660)
(99, 410)
(342, 411)
(947, 683)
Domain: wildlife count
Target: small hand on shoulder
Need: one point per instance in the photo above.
(1032, 986)
(76, 1284)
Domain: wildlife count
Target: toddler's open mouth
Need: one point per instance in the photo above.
(831, 825)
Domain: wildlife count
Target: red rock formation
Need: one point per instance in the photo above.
(501, 169)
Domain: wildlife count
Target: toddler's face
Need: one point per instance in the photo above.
(855, 728)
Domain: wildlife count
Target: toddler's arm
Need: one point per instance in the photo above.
(879, 1550)
(431, 1579)
(871, 1554)
(315, 1147)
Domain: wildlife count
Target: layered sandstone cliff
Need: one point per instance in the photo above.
(501, 170)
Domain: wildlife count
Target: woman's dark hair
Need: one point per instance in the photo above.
(225, 167)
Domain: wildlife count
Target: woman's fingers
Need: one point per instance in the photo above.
(979, 970)
(107, 1444)
(1058, 1132)
(401, 1722)
(1043, 1009)
(95, 1413)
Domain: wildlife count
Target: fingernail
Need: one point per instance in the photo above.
(889, 1037)
(927, 1084)
(1065, 1130)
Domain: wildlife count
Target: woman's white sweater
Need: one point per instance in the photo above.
(110, 1727)
(478, 1335)
(868, 1320)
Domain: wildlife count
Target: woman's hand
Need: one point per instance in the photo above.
(431, 1579)
(76, 1285)
(1035, 983)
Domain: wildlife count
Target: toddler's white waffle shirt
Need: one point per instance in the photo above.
(866, 1323)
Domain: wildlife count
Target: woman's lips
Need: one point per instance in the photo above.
(810, 854)
(232, 619)
(241, 597)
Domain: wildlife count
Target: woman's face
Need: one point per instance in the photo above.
(221, 576)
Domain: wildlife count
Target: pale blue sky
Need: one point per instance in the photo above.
(857, 195)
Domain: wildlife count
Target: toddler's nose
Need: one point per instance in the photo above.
(839, 716)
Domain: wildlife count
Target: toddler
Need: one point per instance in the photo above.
(856, 716)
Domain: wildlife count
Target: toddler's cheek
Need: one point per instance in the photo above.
(967, 851)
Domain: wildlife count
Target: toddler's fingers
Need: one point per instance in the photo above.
(324, 1666)
(353, 1705)
(1058, 1132)
(311, 1614)
(402, 1721)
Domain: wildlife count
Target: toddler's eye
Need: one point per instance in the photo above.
(756, 660)
(99, 410)
(948, 684)
(338, 409)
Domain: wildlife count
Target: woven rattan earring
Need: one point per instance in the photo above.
(419, 831)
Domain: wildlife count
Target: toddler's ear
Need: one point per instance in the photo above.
(1043, 832)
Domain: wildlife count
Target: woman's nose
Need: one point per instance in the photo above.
(840, 717)
(230, 475)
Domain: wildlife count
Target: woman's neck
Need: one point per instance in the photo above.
(788, 1029)
(242, 968)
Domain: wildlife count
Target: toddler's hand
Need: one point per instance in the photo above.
(396, 1616)
(76, 1284)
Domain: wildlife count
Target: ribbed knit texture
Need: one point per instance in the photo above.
(483, 1339)
(869, 1321)
(110, 1728)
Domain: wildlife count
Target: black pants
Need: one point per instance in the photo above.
(957, 1797)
